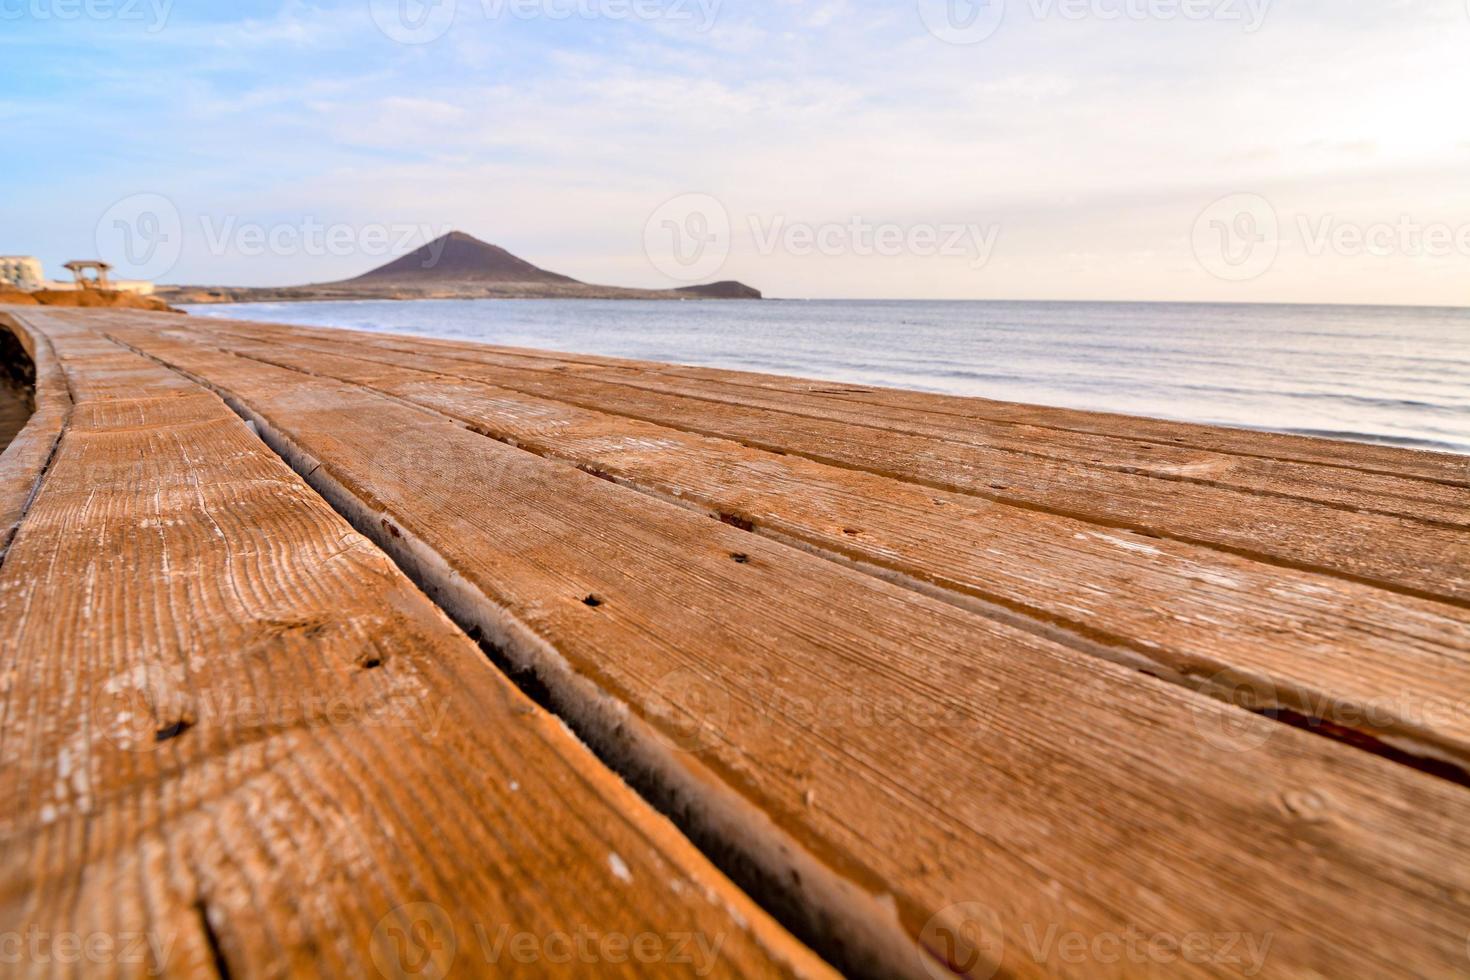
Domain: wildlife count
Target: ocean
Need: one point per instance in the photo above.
(1395, 375)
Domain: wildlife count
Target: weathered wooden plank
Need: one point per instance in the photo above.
(237, 739)
(1121, 435)
(1402, 554)
(878, 742)
(1443, 467)
(1347, 490)
(1235, 628)
(1356, 457)
(23, 461)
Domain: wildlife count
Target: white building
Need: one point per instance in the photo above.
(25, 272)
(21, 272)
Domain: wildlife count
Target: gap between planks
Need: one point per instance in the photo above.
(1120, 429)
(1428, 750)
(1284, 845)
(1407, 566)
(152, 818)
(838, 920)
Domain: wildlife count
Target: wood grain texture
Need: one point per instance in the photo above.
(1404, 554)
(237, 739)
(959, 770)
(1235, 628)
(1361, 491)
(1365, 492)
(1265, 461)
(1355, 457)
(1441, 467)
(25, 458)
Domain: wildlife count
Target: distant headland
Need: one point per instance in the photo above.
(453, 266)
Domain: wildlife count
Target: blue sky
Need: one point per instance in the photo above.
(1074, 151)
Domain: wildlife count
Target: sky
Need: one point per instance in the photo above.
(1198, 150)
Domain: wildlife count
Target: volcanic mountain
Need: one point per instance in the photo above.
(453, 266)
(457, 257)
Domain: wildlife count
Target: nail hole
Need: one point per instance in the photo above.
(737, 522)
(592, 601)
(172, 730)
(372, 663)
(740, 559)
(851, 532)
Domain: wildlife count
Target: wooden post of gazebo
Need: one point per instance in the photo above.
(78, 269)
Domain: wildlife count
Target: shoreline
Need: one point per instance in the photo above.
(1084, 357)
(212, 295)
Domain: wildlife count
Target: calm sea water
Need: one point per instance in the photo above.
(1395, 375)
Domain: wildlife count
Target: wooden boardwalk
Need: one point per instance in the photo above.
(294, 622)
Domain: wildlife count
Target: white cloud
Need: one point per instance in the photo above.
(1094, 143)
